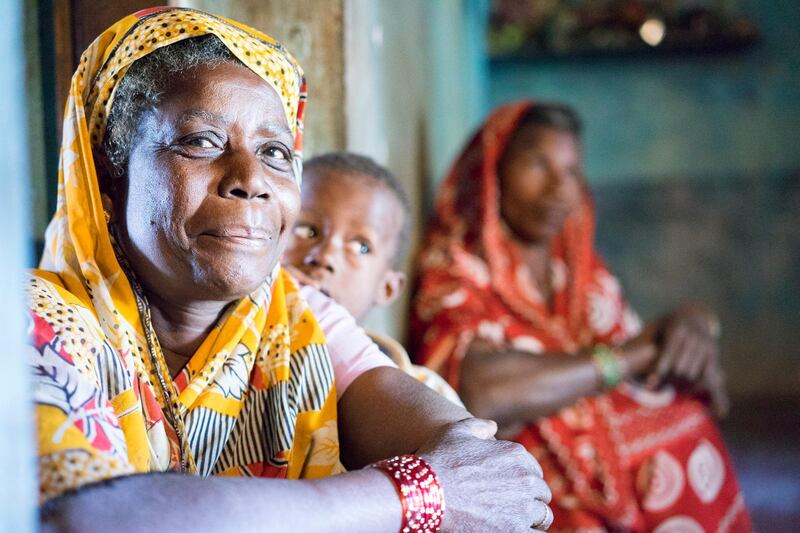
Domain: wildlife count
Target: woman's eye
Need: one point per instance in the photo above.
(276, 152)
(538, 162)
(304, 231)
(360, 247)
(200, 142)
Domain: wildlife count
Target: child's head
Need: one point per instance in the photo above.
(352, 231)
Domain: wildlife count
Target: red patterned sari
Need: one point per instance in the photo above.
(629, 460)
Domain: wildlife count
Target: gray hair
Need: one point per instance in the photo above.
(350, 163)
(146, 82)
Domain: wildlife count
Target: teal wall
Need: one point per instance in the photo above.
(708, 117)
(459, 77)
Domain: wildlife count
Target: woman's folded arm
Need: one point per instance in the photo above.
(514, 387)
(489, 485)
(361, 501)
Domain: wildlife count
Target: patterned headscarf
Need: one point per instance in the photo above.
(257, 398)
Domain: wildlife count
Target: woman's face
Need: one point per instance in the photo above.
(211, 197)
(540, 182)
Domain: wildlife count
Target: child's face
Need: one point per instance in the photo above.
(345, 239)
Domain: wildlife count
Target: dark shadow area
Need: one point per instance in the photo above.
(763, 435)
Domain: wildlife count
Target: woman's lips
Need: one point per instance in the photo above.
(550, 212)
(239, 236)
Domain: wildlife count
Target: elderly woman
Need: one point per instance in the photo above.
(517, 310)
(167, 339)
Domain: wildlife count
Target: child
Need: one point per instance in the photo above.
(349, 242)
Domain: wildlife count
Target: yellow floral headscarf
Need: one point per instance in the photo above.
(256, 399)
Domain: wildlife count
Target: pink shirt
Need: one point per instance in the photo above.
(352, 351)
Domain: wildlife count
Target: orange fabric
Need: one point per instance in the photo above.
(631, 459)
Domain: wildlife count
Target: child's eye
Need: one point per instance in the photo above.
(305, 231)
(360, 247)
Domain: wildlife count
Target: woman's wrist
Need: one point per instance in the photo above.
(421, 494)
(636, 358)
(608, 366)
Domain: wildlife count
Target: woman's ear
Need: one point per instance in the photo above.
(108, 207)
(105, 170)
(109, 182)
(391, 288)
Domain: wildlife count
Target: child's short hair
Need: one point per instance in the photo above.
(350, 163)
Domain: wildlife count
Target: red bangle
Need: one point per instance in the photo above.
(421, 494)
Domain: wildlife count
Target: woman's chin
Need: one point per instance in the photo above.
(228, 284)
(538, 235)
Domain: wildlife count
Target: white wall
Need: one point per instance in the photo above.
(17, 475)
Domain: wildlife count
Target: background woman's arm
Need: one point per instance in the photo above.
(514, 387)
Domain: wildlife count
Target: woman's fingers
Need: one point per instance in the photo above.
(699, 351)
(698, 364)
(720, 402)
(673, 344)
(541, 492)
(686, 350)
(543, 517)
(714, 382)
(477, 427)
(690, 352)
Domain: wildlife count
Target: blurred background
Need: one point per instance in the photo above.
(692, 119)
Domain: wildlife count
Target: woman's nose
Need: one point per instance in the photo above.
(560, 180)
(244, 177)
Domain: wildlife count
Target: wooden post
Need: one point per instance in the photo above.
(313, 32)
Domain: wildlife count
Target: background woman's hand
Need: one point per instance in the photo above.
(713, 384)
(489, 485)
(688, 353)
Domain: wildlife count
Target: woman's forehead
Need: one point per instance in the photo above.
(165, 27)
(531, 137)
(222, 95)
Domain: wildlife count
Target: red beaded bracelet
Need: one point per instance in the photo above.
(421, 494)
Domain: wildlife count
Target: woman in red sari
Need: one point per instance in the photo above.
(516, 309)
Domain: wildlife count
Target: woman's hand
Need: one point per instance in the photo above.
(713, 384)
(489, 485)
(688, 352)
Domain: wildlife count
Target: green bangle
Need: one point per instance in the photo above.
(607, 363)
